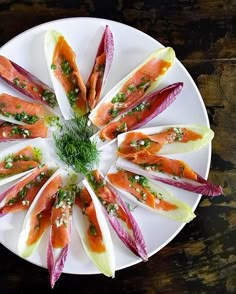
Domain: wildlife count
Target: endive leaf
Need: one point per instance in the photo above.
(165, 140)
(199, 186)
(150, 195)
(101, 68)
(46, 194)
(118, 214)
(129, 91)
(105, 260)
(60, 231)
(26, 83)
(151, 106)
(21, 194)
(41, 155)
(71, 95)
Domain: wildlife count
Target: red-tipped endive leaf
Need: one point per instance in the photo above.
(12, 191)
(130, 90)
(55, 264)
(42, 202)
(131, 237)
(101, 68)
(151, 106)
(200, 186)
(60, 228)
(40, 147)
(26, 83)
(164, 202)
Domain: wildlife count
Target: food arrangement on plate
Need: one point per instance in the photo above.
(80, 123)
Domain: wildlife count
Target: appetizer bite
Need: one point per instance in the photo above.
(129, 91)
(65, 75)
(101, 68)
(117, 213)
(26, 83)
(149, 195)
(93, 230)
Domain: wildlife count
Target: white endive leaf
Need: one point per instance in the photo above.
(104, 261)
(176, 147)
(40, 146)
(24, 249)
(166, 54)
(182, 213)
(50, 42)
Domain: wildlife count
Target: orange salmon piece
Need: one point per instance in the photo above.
(13, 105)
(27, 152)
(135, 141)
(132, 91)
(163, 164)
(84, 201)
(121, 181)
(17, 167)
(125, 180)
(24, 192)
(41, 215)
(94, 84)
(12, 131)
(60, 229)
(34, 88)
(67, 72)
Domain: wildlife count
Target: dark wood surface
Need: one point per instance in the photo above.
(202, 258)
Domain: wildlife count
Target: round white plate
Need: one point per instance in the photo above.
(131, 48)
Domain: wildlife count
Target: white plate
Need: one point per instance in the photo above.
(131, 47)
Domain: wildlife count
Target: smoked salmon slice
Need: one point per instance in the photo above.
(18, 162)
(60, 218)
(118, 214)
(41, 214)
(101, 68)
(20, 195)
(130, 91)
(92, 227)
(150, 196)
(19, 109)
(60, 231)
(139, 187)
(94, 235)
(137, 141)
(10, 131)
(151, 106)
(25, 82)
(66, 78)
(174, 167)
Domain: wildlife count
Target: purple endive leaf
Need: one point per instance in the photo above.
(131, 237)
(166, 97)
(55, 267)
(200, 186)
(109, 50)
(139, 243)
(41, 92)
(151, 106)
(101, 68)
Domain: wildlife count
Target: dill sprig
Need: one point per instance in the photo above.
(74, 146)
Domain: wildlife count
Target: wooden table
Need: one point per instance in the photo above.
(202, 258)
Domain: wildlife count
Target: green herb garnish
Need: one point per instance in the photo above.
(49, 97)
(74, 146)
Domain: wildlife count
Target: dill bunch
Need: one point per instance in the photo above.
(74, 147)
